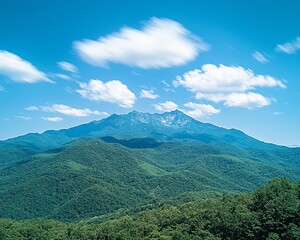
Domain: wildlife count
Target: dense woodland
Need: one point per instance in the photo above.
(89, 177)
(271, 212)
(147, 176)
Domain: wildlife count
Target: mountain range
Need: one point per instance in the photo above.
(131, 160)
(169, 126)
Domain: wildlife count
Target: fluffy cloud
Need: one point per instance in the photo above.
(52, 119)
(148, 94)
(160, 43)
(20, 70)
(166, 106)
(214, 97)
(259, 57)
(248, 100)
(229, 85)
(67, 67)
(289, 47)
(212, 78)
(198, 111)
(113, 91)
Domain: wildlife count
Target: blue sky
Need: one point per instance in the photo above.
(235, 65)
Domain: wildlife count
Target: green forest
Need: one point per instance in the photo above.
(89, 177)
(271, 212)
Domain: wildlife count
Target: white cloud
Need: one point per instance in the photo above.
(70, 111)
(289, 47)
(113, 91)
(66, 110)
(148, 94)
(52, 119)
(20, 70)
(200, 110)
(67, 67)
(160, 43)
(24, 118)
(229, 85)
(259, 57)
(212, 78)
(169, 90)
(248, 100)
(1, 89)
(278, 113)
(166, 106)
(165, 83)
(32, 108)
(63, 76)
(214, 97)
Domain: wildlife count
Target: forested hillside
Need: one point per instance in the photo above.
(271, 212)
(89, 177)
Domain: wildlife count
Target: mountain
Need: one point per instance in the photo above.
(125, 161)
(168, 126)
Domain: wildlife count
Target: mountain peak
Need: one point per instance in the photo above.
(174, 112)
(177, 113)
(134, 112)
(168, 126)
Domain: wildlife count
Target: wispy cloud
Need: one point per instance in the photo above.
(32, 108)
(52, 119)
(289, 47)
(112, 91)
(67, 67)
(26, 118)
(160, 43)
(166, 106)
(63, 76)
(168, 86)
(260, 57)
(148, 94)
(67, 110)
(165, 83)
(20, 70)
(278, 113)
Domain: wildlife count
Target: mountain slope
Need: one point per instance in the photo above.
(127, 160)
(169, 126)
(89, 177)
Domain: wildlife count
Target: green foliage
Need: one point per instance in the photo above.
(271, 212)
(88, 178)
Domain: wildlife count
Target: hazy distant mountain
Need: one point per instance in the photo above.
(168, 126)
